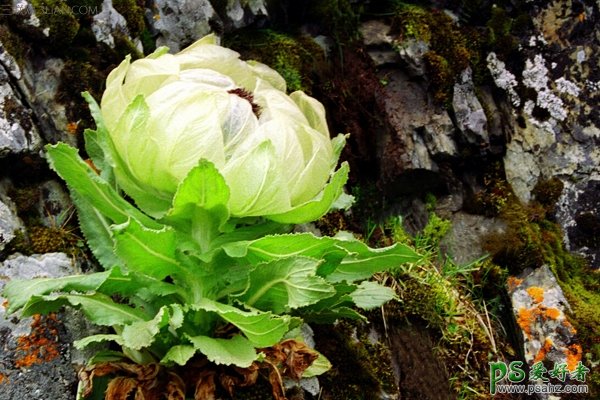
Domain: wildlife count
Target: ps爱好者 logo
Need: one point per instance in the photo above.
(512, 378)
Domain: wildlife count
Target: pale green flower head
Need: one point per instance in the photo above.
(165, 113)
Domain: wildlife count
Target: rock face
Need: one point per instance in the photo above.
(36, 357)
(539, 307)
(18, 134)
(559, 131)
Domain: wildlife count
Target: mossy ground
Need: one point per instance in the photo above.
(533, 239)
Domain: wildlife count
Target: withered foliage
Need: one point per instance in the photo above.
(199, 379)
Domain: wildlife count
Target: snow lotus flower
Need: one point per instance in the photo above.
(167, 112)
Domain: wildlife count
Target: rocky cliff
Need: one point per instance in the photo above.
(484, 114)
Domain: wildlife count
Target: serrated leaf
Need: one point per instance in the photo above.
(329, 316)
(203, 187)
(86, 341)
(140, 334)
(98, 308)
(177, 315)
(80, 178)
(97, 232)
(275, 247)
(148, 251)
(365, 261)
(261, 328)
(286, 284)
(200, 204)
(315, 209)
(131, 284)
(97, 148)
(237, 351)
(369, 295)
(179, 354)
(19, 292)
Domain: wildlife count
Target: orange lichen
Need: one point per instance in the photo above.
(526, 318)
(72, 127)
(41, 345)
(513, 282)
(568, 325)
(573, 353)
(553, 313)
(544, 350)
(5, 304)
(536, 293)
(3, 378)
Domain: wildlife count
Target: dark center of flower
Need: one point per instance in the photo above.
(246, 95)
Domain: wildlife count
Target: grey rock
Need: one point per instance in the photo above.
(57, 377)
(419, 132)
(40, 84)
(411, 52)
(522, 170)
(578, 211)
(464, 242)
(383, 57)
(9, 224)
(18, 134)
(376, 33)
(241, 13)
(539, 307)
(107, 22)
(9, 63)
(181, 22)
(376, 36)
(470, 116)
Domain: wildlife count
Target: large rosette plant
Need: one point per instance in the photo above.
(198, 165)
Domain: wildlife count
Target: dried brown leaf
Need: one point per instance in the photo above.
(175, 387)
(120, 388)
(205, 386)
(276, 382)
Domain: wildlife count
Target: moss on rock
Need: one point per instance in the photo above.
(295, 58)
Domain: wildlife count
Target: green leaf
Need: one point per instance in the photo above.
(86, 341)
(132, 284)
(98, 308)
(97, 232)
(318, 367)
(140, 334)
(274, 247)
(19, 292)
(200, 204)
(203, 187)
(329, 316)
(80, 178)
(95, 111)
(262, 329)
(148, 251)
(179, 354)
(286, 284)
(315, 209)
(365, 261)
(237, 351)
(369, 295)
(336, 307)
(97, 148)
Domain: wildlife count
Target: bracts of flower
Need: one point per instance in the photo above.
(198, 165)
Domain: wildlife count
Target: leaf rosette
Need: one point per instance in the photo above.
(219, 161)
(166, 112)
